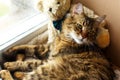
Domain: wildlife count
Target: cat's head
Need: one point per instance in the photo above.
(79, 27)
(56, 9)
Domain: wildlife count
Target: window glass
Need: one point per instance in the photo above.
(4, 8)
(18, 18)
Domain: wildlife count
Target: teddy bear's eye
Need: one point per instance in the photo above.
(58, 2)
(50, 9)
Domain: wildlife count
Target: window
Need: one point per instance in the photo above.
(4, 9)
(18, 18)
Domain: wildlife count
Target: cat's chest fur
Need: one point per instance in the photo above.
(66, 46)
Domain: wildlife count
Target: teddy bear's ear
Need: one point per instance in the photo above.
(77, 8)
(40, 5)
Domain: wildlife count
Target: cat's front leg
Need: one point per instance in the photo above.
(20, 75)
(5, 75)
(28, 65)
(27, 76)
(14, 53)
(41, 73)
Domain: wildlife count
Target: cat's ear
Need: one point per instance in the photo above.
(100, 19)
(77, 8)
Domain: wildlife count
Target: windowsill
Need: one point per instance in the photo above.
(21, 29)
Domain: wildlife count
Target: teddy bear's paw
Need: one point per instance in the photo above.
(5, 75)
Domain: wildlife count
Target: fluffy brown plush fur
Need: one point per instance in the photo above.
(57, 9)
(74, 54)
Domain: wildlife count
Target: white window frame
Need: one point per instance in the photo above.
(14, 34)
(29, 23)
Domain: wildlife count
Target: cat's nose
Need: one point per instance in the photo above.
(84, 34)
(50, 9)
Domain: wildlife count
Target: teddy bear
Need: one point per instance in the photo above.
(57, 11)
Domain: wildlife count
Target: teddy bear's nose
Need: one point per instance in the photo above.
(50, 9)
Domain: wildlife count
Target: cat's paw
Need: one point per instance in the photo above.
(19, 75)
(5, 75)
(10, 66)
(41, 51)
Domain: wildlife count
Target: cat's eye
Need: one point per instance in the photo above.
(58, 2)
(79, 25)
(50, 9)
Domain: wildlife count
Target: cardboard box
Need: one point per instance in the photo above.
(111, 9)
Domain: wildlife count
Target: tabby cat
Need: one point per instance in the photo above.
(74, 54)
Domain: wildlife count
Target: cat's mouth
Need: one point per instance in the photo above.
(81, 41)
(78, 39)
